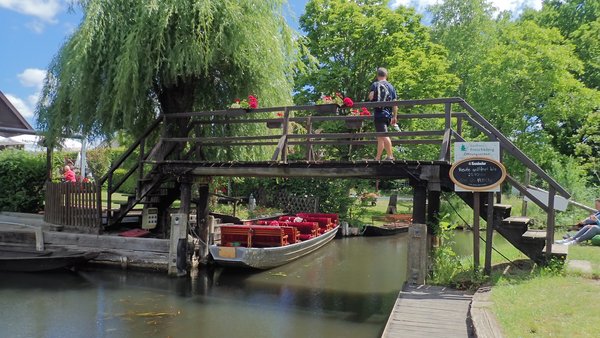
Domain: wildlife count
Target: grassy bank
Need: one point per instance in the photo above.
(550, 302)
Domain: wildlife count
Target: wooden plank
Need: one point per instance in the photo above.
(428, 311)
(106, 242)
(445, 148)
(550, 220)
(302, 119)
(476, 213)
(238, 112)
(489, 233)
(448, 113)
(417, 254)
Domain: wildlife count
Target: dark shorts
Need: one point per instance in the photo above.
(381, 125)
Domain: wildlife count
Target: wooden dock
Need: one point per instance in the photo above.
(429, 311)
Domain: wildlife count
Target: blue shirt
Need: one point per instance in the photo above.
(383, 112)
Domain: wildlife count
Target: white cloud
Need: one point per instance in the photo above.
(25, 109)
(515, 6)
(32, 77)
(45, 10)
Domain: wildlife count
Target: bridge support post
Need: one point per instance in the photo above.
(419, 202)
(417, 254)
(203, 220)
(433, 211)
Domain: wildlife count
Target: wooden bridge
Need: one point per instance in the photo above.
(178, 149)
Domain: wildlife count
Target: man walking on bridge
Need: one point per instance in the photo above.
(382, 91)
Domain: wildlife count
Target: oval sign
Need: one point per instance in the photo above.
(477, 173)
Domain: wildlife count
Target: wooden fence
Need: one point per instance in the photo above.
(73, 204)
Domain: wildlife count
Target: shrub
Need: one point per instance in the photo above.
(22, 177)
(129, 186)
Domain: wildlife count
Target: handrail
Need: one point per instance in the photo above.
(513, 150)
(131, 149)
(239, 111)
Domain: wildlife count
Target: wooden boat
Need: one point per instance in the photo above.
(268, 257)
(13, 258)
(385, 230)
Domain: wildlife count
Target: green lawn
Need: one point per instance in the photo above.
(548, 306)
(542, 303)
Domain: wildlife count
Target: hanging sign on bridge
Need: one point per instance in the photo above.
(477, 174)
(477, 167)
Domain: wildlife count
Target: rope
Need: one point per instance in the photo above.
(481, 238)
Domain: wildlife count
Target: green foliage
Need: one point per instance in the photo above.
(446, 263)
(129, 60)
(351, 39)
(129, 186)
(467, 29)
(22, 177)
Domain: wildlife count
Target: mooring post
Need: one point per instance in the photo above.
(179, 230)
(476, 214)
(417, 254)
(489, 233)
(419, 203)
(177, 264)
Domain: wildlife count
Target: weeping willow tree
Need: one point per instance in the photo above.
(128, 61)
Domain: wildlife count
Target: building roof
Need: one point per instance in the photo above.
(11, 118)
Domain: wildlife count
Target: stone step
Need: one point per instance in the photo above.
(535, 234)
(558, 250)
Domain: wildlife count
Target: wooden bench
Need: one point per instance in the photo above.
(231, 234)
(293, 235)
(268, 236)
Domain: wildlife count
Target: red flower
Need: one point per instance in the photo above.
(326, 97)
(237, 100)
(338, 94)
(365, 112)
(280, 114)
(348, 102)
(252, 102)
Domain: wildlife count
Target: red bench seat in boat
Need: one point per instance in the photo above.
(231, 234)
(307, 229)
(334, 217)
(292, 233)
(253, 235)
(263, 236)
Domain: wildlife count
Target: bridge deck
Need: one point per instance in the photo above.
(337, 169)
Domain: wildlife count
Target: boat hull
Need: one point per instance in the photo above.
(372, 231)
(17, 260)
(266, 258)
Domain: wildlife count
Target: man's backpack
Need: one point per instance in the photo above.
(382, 91)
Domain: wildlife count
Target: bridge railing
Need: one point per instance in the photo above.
(453, 123)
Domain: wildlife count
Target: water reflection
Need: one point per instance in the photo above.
(347, 289)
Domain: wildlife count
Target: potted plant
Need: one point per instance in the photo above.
(328, 104)
(276, 124)
(246, 104)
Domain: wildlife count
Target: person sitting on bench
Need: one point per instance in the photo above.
(591, 228)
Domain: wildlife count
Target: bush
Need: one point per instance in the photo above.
(22, 177)
(129, 186)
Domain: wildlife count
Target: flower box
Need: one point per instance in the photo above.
(355, 123)
(274, 125)
(328, 108)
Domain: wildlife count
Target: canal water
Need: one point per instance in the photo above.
(345, 289)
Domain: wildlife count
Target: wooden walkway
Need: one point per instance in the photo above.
(429, 311)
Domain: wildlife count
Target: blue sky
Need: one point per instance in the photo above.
(33, 31)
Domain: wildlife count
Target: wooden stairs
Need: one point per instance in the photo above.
(516, 230)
